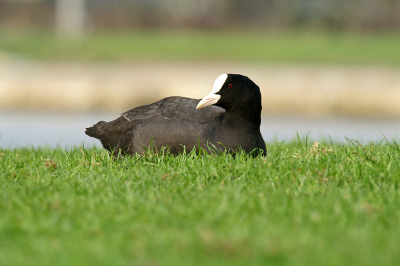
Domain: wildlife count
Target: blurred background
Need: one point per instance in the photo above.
(327, 69)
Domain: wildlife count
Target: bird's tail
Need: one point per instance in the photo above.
(115, 136)
(96, 131)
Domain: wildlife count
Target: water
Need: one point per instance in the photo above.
(22, 128)
(336, 129)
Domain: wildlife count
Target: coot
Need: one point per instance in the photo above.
(228, 118)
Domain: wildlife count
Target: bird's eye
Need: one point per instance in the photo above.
(230, 85)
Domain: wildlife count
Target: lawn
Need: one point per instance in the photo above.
(217, 45)
(304, 204)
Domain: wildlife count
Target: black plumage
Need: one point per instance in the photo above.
(228, 118)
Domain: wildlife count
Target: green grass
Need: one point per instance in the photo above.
(300, 205)
(251, 46)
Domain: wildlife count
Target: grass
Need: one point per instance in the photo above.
(251, 46)
(303, 204)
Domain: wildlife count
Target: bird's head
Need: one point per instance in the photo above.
(233, 92)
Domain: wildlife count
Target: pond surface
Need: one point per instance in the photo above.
(23, 128)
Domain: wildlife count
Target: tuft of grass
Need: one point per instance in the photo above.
(304, 204)
(218, 45)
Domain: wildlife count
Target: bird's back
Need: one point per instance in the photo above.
(171, 121)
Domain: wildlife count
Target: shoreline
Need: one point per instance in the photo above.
(311, 90)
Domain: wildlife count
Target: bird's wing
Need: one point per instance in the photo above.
(175, 107)
(185, 108)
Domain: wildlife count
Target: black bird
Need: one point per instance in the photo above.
(227, 118)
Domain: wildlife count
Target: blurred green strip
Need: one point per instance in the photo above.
(211, 46)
